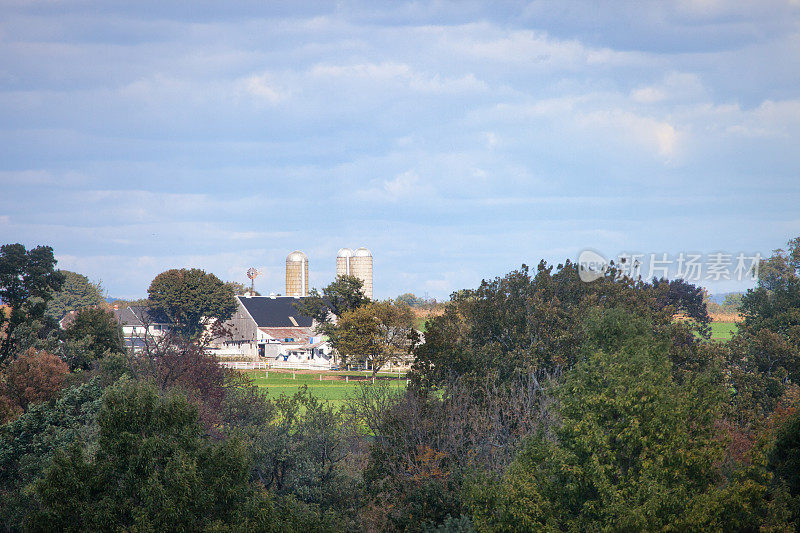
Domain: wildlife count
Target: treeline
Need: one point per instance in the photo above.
(537, 402)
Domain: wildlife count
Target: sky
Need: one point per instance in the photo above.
(455, 140)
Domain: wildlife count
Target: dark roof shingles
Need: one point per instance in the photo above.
(275, 312)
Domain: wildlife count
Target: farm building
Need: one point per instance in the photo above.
(271, 328)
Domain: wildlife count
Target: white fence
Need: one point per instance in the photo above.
(301, 365)
(265, 365)
(244, 365)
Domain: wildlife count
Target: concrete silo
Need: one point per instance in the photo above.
(297, 274)
(343, 262)
(361, 267)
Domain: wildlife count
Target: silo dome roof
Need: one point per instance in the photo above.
(345, 252)
(297, 255)
(362, 252)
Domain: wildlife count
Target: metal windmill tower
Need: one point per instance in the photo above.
(253, 273)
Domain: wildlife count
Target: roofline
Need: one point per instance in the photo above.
(246, 310)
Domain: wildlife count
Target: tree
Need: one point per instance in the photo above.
(785, 456)
(27, 445)
(100, 331)
(733, 300)
(636, 449)
(77, 292)
(530, 322)
(120, 303)
(153, 470)
(344, 294)
(191, 299)
(300, 451)
(377, 332)
(764, 355)
(27, 281)
(240, 289)
(410, 299)
(34, 377)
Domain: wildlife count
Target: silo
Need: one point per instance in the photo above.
(343, 262)
(361, 267)
(297, 274)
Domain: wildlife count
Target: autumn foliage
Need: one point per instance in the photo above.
(32, 378)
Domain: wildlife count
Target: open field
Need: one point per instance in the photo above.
(722, 331)
(421, 316)
(333, 387)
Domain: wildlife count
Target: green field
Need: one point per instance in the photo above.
(722, 331)
(334, 390)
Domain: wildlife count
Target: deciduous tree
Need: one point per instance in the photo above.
(101, 333)
(76, 293)
(375, 333)
(344, 294)
(636, 450)
(34, 377)
(27, 281)
(191, 299)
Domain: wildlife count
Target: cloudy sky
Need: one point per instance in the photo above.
(456, 140)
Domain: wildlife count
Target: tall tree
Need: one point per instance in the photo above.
(76, 293)
(27, 281)
(526, 322)
(153, 470)
(765, 352)
(191, 299)
(343, 294)
(635, 450)
(375, 333)
(99, 332)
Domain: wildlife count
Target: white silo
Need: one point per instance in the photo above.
(343, 262)
(361, 267)
(297, 274)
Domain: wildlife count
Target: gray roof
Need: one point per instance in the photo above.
(278, 312)
(137, 315)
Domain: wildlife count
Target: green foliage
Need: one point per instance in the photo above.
(77, 292)
(300, 452)
(120, 303)
(240, 289)
(375, 333)
(344, 294)
(765, 352)
(191, 299)
(27, 281)
(636, 449)
(733, 301)
(411, 300)
(100, 333)
(152, 470)
(785, 457)
(521, 323)
(28, 444)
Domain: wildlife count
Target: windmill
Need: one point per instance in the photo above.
(253, 273)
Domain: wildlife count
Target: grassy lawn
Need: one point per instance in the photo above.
(333, 390)
(722, 331)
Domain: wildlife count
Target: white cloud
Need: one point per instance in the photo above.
(399, 73)
(260, 87)
(403, 186)
(660, 136)
(485, 42)
(674, 86)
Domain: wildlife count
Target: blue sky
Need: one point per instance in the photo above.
(456, 140)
